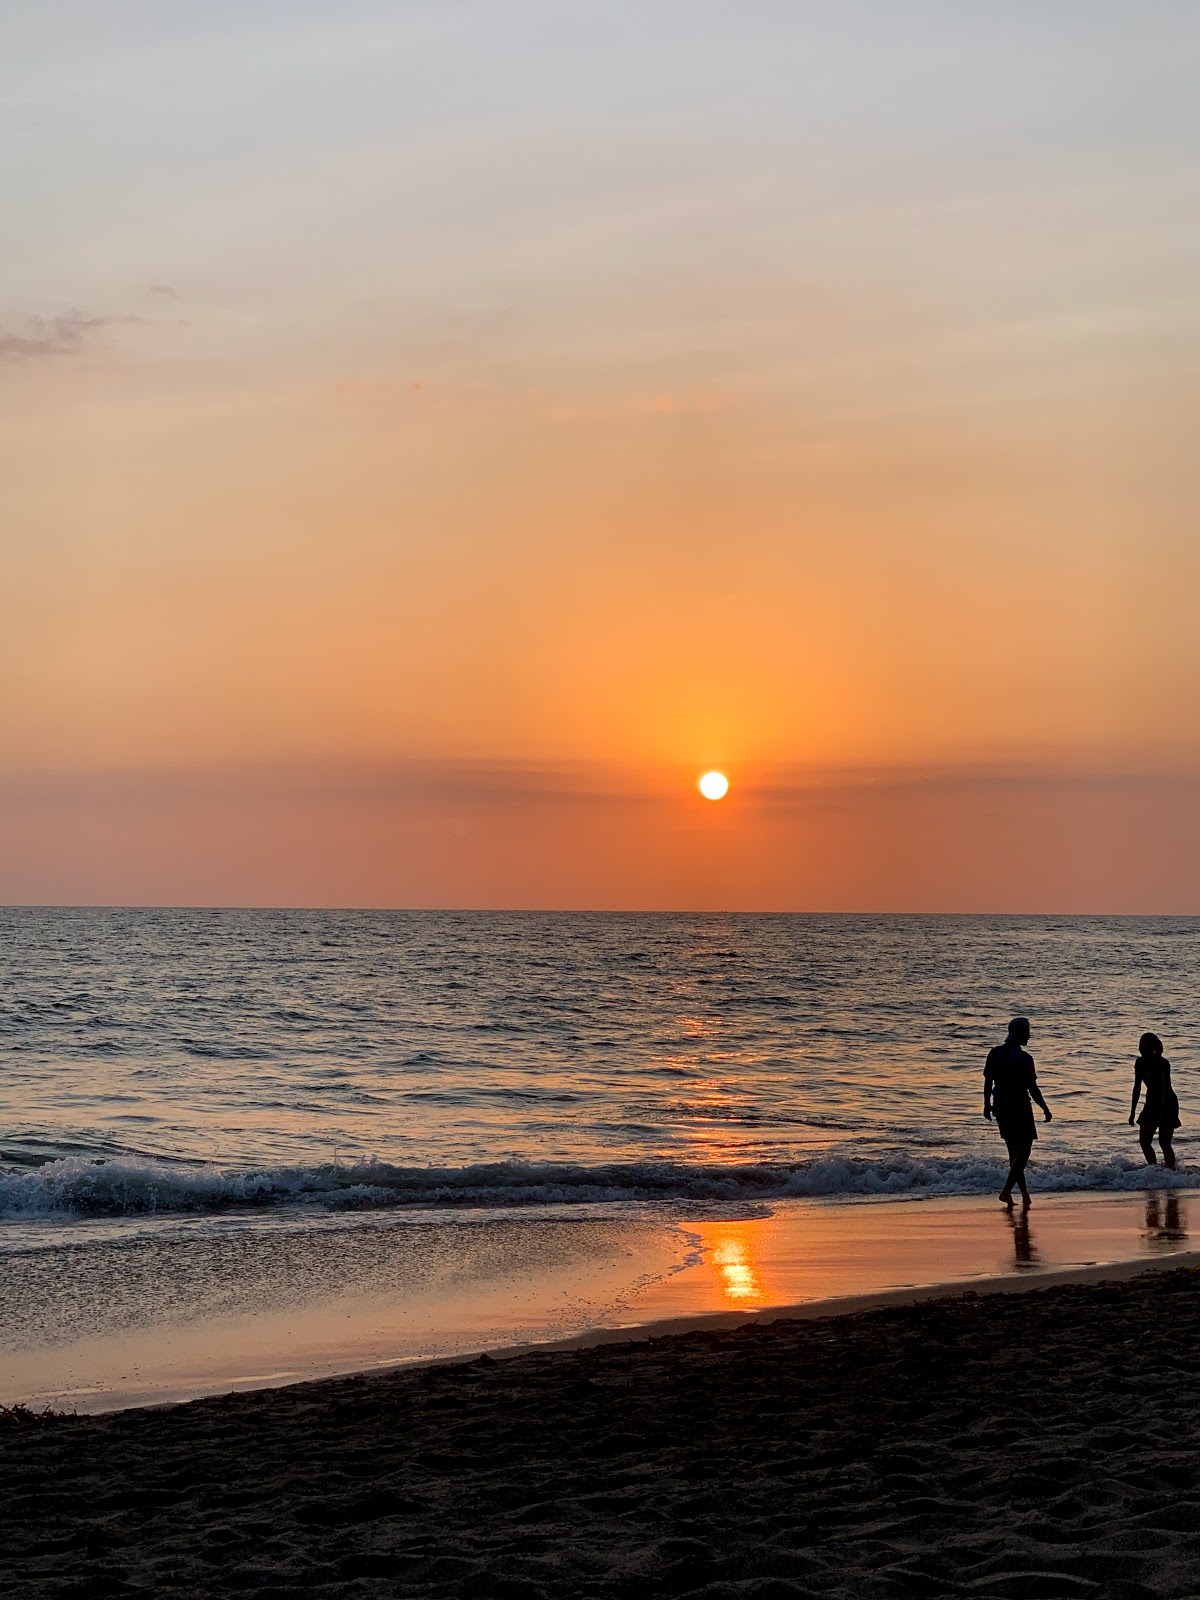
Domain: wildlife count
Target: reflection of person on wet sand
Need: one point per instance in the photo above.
(1160, 1114)
(1009, 1084)
(1166, 1219)
(1024, 1251)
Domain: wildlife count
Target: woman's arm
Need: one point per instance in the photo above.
(1137, 1089)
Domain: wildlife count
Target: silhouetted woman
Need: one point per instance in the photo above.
(1009, 1084)
(1160, 1113)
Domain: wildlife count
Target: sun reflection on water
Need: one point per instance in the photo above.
(736, 1269)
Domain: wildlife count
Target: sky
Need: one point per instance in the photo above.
(433, 433)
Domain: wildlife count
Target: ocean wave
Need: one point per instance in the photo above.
(80, 1186)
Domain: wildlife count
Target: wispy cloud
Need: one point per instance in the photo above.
(428, 782)
(765, 789)
(48, 337)
(566, 835)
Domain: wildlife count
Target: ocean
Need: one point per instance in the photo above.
(283, 1100)
(161, 1061)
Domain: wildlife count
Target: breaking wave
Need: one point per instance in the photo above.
(123, 1186)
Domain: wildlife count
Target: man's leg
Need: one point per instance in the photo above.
(1014, 1174)
(1024, 1187)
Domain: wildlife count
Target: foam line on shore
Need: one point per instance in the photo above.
(136, 1186)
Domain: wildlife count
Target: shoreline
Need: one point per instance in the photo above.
(830, 1309)
(388, 1297)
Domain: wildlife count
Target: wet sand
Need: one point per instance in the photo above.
(999, 1446)
(178, 1314)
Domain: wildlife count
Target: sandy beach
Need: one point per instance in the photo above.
(1035, 1444)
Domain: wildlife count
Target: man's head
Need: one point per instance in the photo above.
(1018, 1030)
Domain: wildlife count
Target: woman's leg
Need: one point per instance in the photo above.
(1168, 1149)
(1145, 1138)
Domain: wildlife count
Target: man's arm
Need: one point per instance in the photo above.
(1035, 1094)
(987, 1087)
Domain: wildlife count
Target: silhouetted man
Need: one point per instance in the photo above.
(1009, 1085)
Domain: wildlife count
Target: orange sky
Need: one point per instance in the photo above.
(431, 438)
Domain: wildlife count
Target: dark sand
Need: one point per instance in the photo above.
(1044, 1444)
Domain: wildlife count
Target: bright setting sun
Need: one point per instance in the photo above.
(713, 785)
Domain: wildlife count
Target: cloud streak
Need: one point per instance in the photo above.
(487, 783)
(48, 337)
(582, 836)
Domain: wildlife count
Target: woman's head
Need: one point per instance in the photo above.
(1150, 1045)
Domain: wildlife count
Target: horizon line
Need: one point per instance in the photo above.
(582, 911)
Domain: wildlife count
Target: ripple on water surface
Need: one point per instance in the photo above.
(271, 1041)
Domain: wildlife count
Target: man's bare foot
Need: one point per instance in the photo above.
(1006, 1197)
(1026, 1202)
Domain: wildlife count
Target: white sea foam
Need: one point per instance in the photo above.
(126, 1187)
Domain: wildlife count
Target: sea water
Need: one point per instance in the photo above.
(198, 1062)
(329, 1117)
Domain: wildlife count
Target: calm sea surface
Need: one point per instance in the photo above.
(227, 1063)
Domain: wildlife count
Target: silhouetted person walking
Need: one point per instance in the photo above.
(1160, 1114)
(1009, 1085)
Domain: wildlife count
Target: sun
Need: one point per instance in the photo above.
(713, 785)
